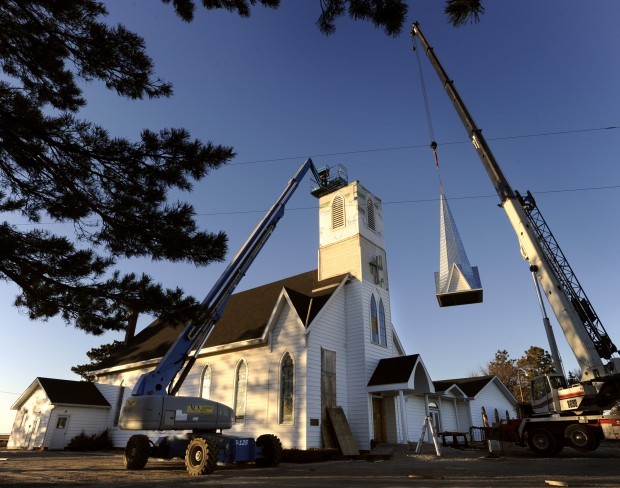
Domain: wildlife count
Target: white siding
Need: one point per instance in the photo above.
(31, 422)
(448, 415)
(416, 411)
(328, 331)
(89, 420)
(263, 376)
(340, 258)
(491, 398)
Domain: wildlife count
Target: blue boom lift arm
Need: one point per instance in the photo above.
(179, 359)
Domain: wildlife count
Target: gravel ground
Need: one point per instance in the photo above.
(471, 467)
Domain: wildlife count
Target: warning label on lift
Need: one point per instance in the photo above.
(199, 409)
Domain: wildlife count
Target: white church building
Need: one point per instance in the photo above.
(285, 351)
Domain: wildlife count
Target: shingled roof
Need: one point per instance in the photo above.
(470, 386)
(245, 317)
(393, 370)
(65, 392)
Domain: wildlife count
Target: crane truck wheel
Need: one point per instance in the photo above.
(542, 442)
(580, 438)
(272, 451)
(137, 452)
(201, 456)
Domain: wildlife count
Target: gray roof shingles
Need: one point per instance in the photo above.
(394, 370)
(72, 392)
(470, 386)
(245, 317)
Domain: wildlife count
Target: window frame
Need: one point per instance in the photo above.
(338, 210)
(207, 368)
(374, 321)
(370, 215)
(240, 400)
(382, 324)
(291, 393)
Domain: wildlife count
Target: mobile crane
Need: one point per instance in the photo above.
(559, 414)
(154, 404)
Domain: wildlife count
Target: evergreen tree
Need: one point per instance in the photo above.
(516, 374)
(96, 356)
(536, 362)
(55, 166)
(459, 12)
(506, 370)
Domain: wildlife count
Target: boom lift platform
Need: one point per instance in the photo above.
(154, 404)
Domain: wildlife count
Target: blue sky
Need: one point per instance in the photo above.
(540, 79)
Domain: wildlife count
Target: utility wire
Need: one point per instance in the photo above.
(396, 202)
(423, 200)
(417, 146)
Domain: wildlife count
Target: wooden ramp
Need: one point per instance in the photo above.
(342, 431)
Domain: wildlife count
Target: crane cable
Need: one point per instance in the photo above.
(427, 109)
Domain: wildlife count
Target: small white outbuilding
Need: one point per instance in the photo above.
(51, 412)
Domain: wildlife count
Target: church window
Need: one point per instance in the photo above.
(374, 323)
(382, 330)
(287, 373)
(370, 214)
(338, 212)
(205, 383)
(119, 403)
(241, 384)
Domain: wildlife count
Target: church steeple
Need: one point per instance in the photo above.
(457, 283)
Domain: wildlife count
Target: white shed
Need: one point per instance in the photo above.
(51, 412)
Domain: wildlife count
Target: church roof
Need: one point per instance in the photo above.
(393, 370)
(245, 317)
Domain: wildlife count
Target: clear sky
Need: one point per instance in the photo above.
(541, 79)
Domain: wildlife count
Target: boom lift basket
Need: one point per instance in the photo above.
(457, 283)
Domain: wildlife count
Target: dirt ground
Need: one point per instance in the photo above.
(471, 467)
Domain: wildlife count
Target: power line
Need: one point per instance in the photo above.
(424, 200)
(396, 202)
(417, 146)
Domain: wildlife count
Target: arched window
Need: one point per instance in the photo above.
(374, 323)
(119, 402)
(370, 214)
(382, 331)
(338, 212)
(205, 383)
(287, 373)
(241, 385)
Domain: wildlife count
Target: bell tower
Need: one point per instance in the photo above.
(351, 235)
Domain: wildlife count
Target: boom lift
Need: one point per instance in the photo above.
(153, 404)
(569, 407)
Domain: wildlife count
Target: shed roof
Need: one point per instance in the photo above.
(65, 392)
(245, 317)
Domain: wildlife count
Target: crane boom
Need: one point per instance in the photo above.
(582, 328)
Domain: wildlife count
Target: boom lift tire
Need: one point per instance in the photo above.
(542, 442)
(137, 452)
(201, 456)
(581, 438)
(272, 451)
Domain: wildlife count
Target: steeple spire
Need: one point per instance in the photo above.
(457, 282)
